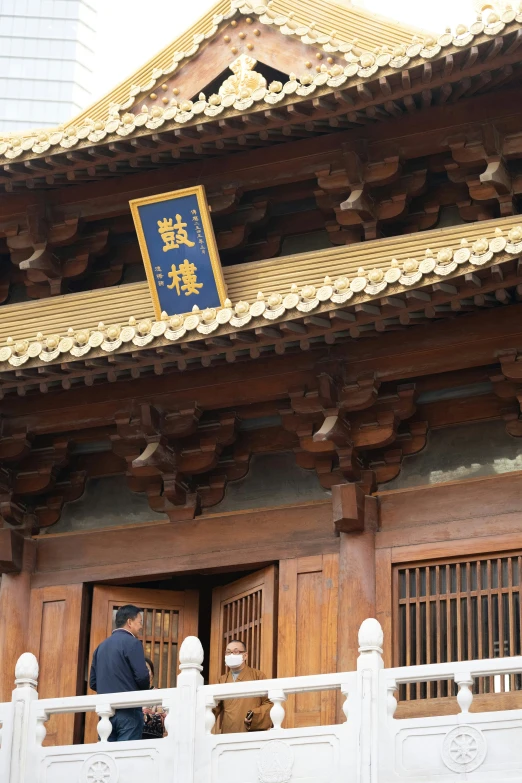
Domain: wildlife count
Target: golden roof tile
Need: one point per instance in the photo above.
(259, 293)
(371, 30)
(119, 121)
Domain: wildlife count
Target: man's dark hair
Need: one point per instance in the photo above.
(149, 661)
(238, 641)
(124, 613)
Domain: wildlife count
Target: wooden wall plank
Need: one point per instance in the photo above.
(15, 592)
(384, 601)
(15, 597)
(450, 502)
(57, 626)
(450, 548)
(287, 630)
(307, 633)
(150, 550)
(329, 639)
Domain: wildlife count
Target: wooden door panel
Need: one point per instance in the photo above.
(245, 610)
(168, 617)
(307, 634)
(57, 638)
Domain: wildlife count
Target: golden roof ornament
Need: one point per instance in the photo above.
(245, 81)
(499, 7)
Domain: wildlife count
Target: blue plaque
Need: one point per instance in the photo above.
(179, 251)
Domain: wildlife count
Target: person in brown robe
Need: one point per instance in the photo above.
(238, 715)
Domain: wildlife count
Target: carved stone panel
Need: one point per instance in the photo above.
(99, 769)
(275, 764)
(464, 749)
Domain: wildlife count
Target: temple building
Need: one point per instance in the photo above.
(341, 438)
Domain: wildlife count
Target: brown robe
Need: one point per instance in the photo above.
(231, 713)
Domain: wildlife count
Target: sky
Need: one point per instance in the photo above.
(128, 36)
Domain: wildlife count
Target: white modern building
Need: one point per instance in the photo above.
(46, 61)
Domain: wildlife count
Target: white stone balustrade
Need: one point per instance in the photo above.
(372, 746)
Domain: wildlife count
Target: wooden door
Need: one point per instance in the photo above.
(168, 617)
(245, 610)
(307, 634)
(57, 624)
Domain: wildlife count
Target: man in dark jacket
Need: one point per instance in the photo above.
(118, 664)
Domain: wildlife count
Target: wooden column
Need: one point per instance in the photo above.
(15, 594)
(355, 519)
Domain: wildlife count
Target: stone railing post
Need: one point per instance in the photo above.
(182, 719)
(369, 664)
(26, 682)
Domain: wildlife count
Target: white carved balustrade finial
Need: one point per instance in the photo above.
(346, 693)
(41, 731)
(210, 718)
(277, 713)
(371, 637)
(391, 701)
(105, 713)
(26, 671)
(191, 654)
(465, 695)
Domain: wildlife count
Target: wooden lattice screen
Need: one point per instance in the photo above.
(459, 611)
(245, 610)
(242, 618)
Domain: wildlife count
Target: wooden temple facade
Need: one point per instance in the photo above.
(342, 439)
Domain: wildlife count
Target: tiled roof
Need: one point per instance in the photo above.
(260, 293)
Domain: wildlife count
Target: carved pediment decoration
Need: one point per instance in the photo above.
(245, 81)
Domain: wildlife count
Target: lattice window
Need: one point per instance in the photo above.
(459, 611)
(242, 619)
(160, 643)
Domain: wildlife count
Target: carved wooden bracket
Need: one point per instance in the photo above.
(223, 201)
(480, 161)
(66, 490)
(32, 487)
(14, 446)
(11, 551)
(344, 430)
(50, 252)
(166, 452)
(507, 384)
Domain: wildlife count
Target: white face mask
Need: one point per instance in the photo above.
(233, 660)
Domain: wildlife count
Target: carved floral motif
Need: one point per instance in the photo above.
(245, 81)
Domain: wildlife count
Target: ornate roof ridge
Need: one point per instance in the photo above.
(273, 308)
(204, 29)
(360, 65)
(326, 16)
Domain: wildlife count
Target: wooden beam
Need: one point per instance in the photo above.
(270, 534)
